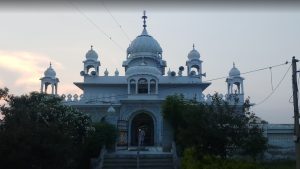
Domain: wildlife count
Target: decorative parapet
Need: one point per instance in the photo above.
(80, 99)
(112, 98)
(232, 99)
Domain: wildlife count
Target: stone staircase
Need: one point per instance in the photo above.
(129, 161)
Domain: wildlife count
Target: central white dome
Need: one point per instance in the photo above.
(144, 43)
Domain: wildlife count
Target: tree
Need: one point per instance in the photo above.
(103, 134)
(39, 132)
(254, 143)
(210, 129)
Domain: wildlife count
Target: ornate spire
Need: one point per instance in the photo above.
(144, 18)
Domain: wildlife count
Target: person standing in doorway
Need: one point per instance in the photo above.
(141, 136)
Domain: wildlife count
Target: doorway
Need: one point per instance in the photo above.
(145, 122)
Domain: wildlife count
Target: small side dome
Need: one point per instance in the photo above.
(91, 55)
(194, 54)
(234, 71)
(50, 72)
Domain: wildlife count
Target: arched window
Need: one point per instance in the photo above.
(236, 88)
(152, 86)
(90, 69)
(132, 86)
(142, 86)
(194, 71)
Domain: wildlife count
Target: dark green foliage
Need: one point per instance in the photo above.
(285, 164)
(190, 161)
(172, 110)
(255, 143)
(212, 129)
(103, 134)
(39, 132)
(3, 93)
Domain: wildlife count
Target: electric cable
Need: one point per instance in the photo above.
(96, 26)
(119, 25)
(273, 91)
(251, 71)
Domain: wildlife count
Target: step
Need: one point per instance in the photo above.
(129, 161)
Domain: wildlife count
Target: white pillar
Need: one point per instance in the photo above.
(228, 87)
(129, 85)
(242, 87)
(52, 89)
(56, 85)
(156, 87)
(148, 86)
(42, 86)
(136, 87)
(46, 87)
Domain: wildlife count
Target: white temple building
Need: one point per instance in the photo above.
(134, 100)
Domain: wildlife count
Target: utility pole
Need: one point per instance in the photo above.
(296, 111)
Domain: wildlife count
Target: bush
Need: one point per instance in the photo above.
(38, 131)
(190, 161)
(103, 134)
(216, 129)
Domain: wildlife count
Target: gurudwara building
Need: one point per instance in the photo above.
(134, 100)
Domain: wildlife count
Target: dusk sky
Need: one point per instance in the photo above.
(253, 36)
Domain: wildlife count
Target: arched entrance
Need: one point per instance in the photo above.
(145, 122)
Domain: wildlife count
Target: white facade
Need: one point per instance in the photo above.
(134, 100)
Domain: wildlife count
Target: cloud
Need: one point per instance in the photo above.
(27, 67)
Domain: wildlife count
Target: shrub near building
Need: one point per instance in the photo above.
(214, 129)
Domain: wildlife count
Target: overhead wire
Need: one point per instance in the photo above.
(96, 26)
(251, 71)
(100, 99)
(273, 91)
(119, 25)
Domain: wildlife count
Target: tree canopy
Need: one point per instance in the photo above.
(38, 131)
(213, 129)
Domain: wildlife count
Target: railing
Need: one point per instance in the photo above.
(90, 99)
(69, 98)
(174, 156)
(97, 163)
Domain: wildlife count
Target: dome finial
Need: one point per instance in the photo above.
(193, 46)
(144, 18)
(92, 47)
(233, 64)
(50, 64)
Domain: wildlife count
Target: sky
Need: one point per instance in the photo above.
(252, 35)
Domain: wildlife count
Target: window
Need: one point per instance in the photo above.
(152, 86)
(142, 86)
